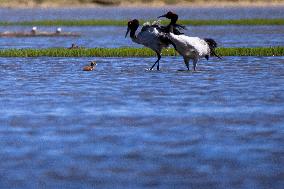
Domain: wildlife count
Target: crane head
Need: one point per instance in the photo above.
(170, 15)
(132, 25)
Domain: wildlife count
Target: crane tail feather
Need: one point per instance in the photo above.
(212, 45)
(214, 54)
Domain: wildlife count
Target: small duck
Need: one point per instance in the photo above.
(90, 67)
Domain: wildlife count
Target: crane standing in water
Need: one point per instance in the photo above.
(151, 36)
(189, 47)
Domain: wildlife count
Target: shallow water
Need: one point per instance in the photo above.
(226, 36)
(123, 126)
(113, 37)
(140, 13)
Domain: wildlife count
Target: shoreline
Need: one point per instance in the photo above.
(47, 5)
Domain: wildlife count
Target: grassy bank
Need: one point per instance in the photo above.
(124, 22)
(132, 52)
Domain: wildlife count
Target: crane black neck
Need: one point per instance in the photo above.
(171, 28)
(174, 19)
(133, 26)
(132, 33)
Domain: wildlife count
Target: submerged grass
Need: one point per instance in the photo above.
(132, 52)
(124, 22)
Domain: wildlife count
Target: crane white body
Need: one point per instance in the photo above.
(190, 48)
(149, 37)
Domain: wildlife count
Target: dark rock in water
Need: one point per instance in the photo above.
(107, 2)
(74, 46)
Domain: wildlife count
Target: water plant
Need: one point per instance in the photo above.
(132, 52)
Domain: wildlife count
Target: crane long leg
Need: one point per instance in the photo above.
(194, 64)
(158, 61)
(186, 61)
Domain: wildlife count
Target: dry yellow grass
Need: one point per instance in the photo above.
(135, 3)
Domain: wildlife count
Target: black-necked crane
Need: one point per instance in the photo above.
(190, 47)
(150, 36)
(173, 17)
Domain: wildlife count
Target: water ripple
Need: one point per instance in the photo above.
(121, 125)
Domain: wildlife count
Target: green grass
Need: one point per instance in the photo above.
(233, 22)
(132, 52)
(124, 22)
(257, 51)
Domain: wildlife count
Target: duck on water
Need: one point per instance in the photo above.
(91, 67)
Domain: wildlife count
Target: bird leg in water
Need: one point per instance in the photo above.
(158, 61)
(186, 61)
(194, 64)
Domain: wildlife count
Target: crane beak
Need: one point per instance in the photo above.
(127, 32)
(162, 16)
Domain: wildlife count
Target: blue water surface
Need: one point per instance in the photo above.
(114, 37)
(122, 126)
(118, 13)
